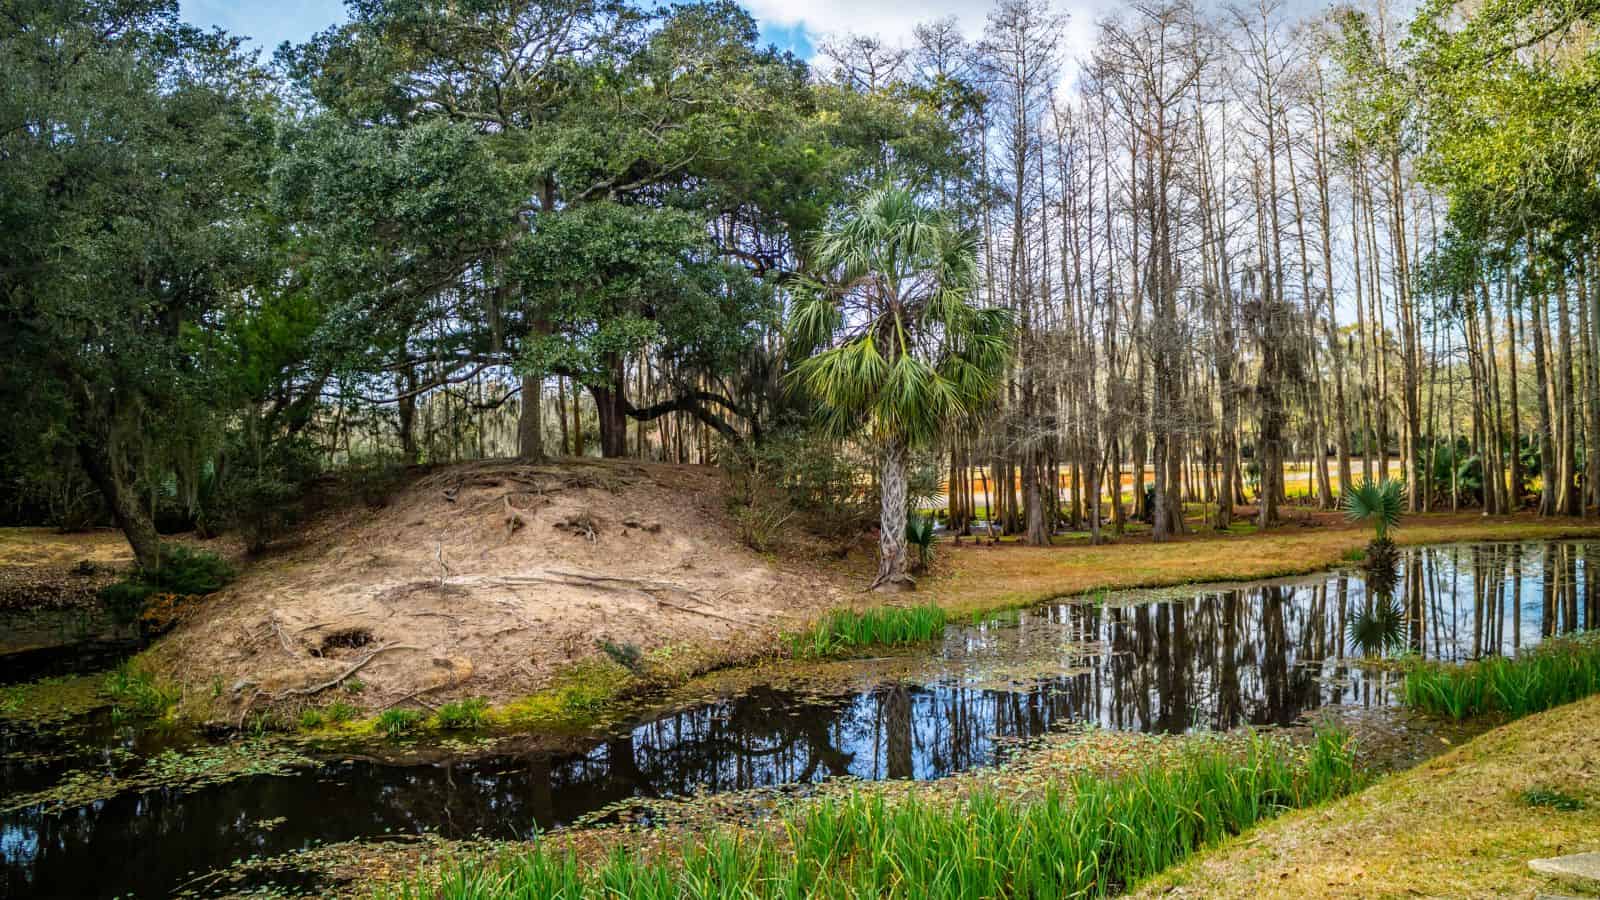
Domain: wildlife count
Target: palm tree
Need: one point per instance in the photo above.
(1378, 502)
(895, 350)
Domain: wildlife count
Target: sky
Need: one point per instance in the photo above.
(796, 25)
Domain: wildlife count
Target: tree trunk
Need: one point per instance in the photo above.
(892, 519)
(530, 423)
(130, 515)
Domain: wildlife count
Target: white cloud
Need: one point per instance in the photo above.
(895, 22)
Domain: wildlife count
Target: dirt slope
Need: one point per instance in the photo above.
(487, 579)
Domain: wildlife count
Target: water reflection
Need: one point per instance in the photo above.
(1261, 654)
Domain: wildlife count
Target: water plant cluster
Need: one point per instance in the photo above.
(1559, 671)
(844, 631)
(1089, 837)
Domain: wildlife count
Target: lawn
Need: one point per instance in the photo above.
(976, 578)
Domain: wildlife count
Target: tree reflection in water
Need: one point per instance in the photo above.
(1261, 654)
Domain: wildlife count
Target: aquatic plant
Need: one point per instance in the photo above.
(1560, 671)
(136, 691)
(472, 712)
(1089, 837)
(396, 723)
(845, 631)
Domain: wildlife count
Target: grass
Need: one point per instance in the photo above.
(1089, 837)
(1553, 798)
(397, 723)
(1455, 826)
(844, 632)
(1558, 671)
(135, 690)
(986, 578)
(467, 714)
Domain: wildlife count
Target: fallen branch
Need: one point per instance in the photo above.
(334, 681)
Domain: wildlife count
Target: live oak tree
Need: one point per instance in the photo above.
(891, 343)
(132, 156)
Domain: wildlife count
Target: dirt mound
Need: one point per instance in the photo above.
(487, 579)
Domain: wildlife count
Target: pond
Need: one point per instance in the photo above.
(1211, 657)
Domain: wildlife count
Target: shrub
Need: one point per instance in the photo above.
(919, 534)
(396, 723)
(184, 575)
(472, 712)
(626, 655)
(262, 494)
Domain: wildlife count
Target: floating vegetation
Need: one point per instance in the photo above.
(1090, 836)
(51, 701)
(170, 769)
(846, 631)
(1559, 671)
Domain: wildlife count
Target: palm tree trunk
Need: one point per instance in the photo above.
(892, 519)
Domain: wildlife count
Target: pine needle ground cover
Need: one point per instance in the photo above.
(1090, 836)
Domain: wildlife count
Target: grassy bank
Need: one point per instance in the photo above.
(1089, 837)
(1464, 824)
(984, 578)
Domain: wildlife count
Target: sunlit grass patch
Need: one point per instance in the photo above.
(845, 631)
(1086, 837)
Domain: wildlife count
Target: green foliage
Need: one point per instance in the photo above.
(137, 691)
(1093, 837)
(1552, 798)
(843, 631)
(798, 477)
(261, 493)
(919, 534)
(188, 571)
(626, 655)
(473, 712)
(1380, 503)
(892, 346)
(1559, 671)
(397, 723)
(183, 572)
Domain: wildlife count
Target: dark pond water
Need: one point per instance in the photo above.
(1208, 658)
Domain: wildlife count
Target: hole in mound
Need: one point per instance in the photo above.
(342, 640)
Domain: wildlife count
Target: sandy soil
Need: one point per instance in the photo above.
(488, 579)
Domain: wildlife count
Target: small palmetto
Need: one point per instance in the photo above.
(1380, 503)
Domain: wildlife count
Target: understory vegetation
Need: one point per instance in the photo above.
(1560, 670)
(1091, 837)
